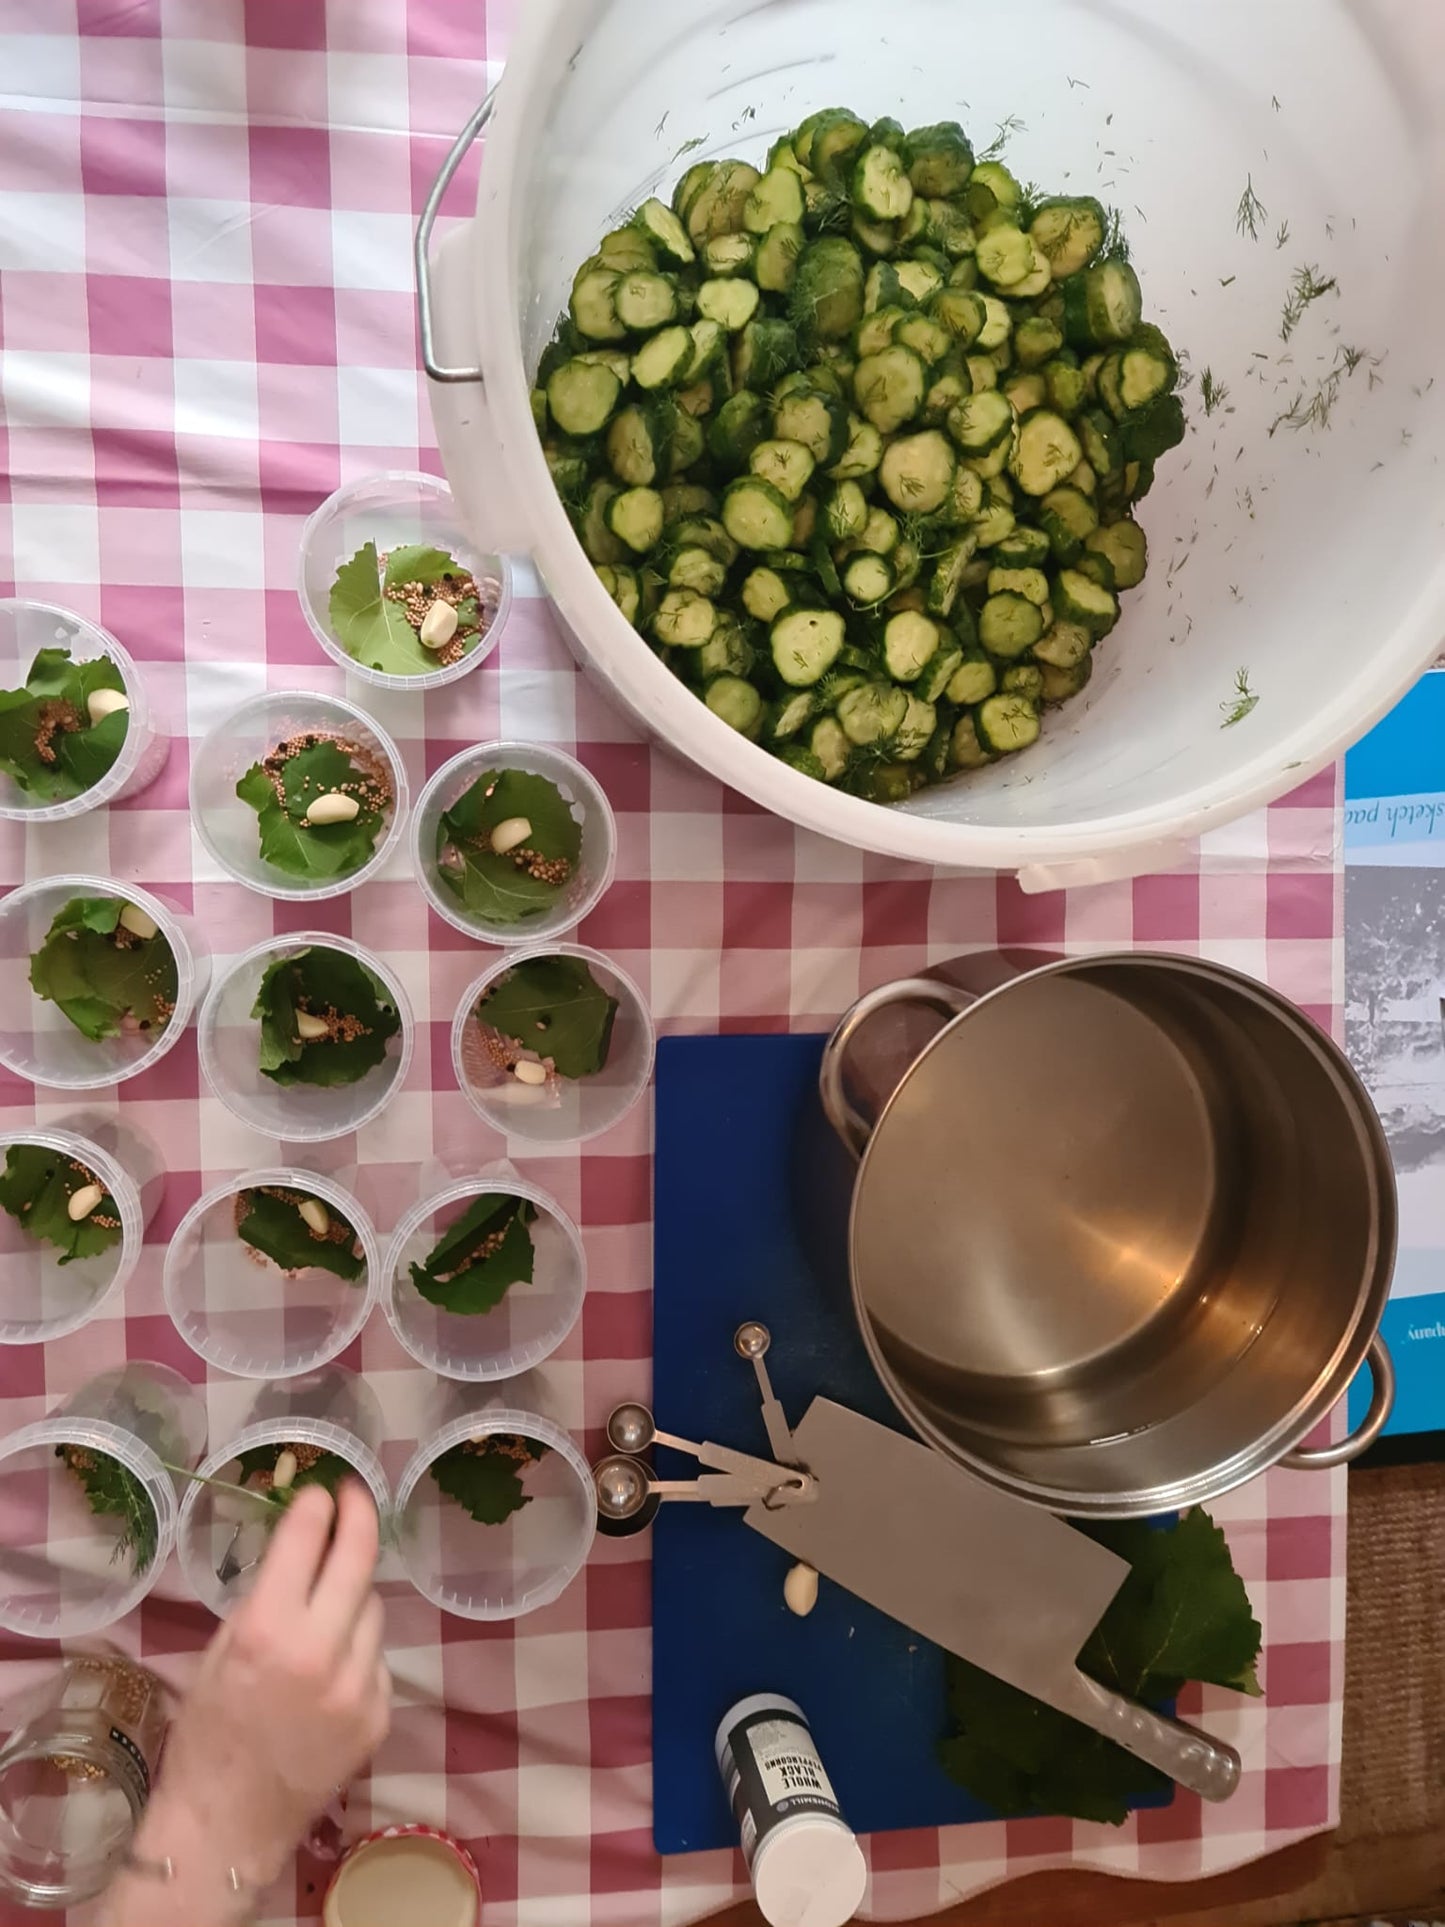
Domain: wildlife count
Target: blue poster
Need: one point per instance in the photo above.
(1395, 1016)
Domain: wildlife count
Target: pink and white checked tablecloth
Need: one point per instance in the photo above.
(206, 317)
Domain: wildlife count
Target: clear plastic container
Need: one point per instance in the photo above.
(223, 1534)
(37, 1040)
(564, 1110)
(532, 1319)
(392, 509)
(229, 828)
(589, 805)
(45, 1298)
(63, 1569)
(497, 1571)
(25, 629)
(230, 1048)
(239, 1310)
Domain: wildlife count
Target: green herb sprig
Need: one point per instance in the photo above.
(1181, 1614)
(49, 745)
(484, 1476)
(113, 1491)
(1237, 707)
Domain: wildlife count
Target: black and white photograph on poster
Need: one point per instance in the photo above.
(1395, 1035)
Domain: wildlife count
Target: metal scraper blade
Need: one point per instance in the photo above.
(1000, 1583)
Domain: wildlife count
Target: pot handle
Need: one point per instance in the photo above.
(421, 251)
(850, 1124)
(1382, 1399)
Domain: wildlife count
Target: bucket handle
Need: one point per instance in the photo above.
(1320, 1458)
(421, 250)
(846, 1119)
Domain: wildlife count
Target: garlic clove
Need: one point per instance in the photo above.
(334, 807)
(438, 626)
(510, 834)
(800, 1590)
(529, 1071)
(284, 1476)
(311, 1029)
(82, 1202)
(101, 703)
(315, 1216)
(135, 920)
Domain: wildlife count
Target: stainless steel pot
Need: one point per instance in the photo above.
(1123, 1231)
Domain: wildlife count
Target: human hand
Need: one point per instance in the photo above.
(293, 1695)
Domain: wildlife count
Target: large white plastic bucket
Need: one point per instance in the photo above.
(1310, 558)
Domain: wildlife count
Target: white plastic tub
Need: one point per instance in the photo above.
(1313, 560)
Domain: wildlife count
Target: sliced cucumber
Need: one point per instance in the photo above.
(645, 302)
(736, 703)
(1009, 624)
(684, 619)
(765, 594)
(1046, 451)
(910, 642)
(787, 465)
(889, 388)
(1077, 599)
(1007, 723)
(662, 227)
(582, 396)
(665, 360)
(872, 712)
(868, 580)
(731, 304)
(756, 516)
(917, 472)
(805, 644)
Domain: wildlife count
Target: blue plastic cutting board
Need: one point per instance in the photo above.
(741, 1150)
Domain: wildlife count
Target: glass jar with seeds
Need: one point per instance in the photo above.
(273, 1273)
(394, 589)
(76, 1769)
(299, 795)
(306, 1037)
(88, 1501)
(553, 1044)
(484, 1278)
(317, 1430)
(73, 1214)
(77, 729)
(513, 842)
(496, 1513)
(97, 981)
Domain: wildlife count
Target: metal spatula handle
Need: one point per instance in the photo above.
(1184, 1753)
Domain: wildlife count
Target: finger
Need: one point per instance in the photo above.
(367, 1639)
(344, 1581)
(294, 1557)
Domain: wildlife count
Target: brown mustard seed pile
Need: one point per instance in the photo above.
(55, 718)
(341, 1026)
(488, 1248)
(546, 869)
(504, 1052)
(456, 587)
(370, 785)
(505, 1445)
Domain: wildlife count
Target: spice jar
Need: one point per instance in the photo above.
(806, 1866)
(75, 1775)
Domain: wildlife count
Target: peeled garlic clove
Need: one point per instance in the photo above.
(438, 625)
(83, 1202)
(334, 807)
(135, 920)
(287, 1466)
(311, 1029)
(510, 834)
(800, 1590)
(529, 1071)
(315, 1216)
(101, 703)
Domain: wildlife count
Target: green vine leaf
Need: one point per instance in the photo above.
(372, 627)
(1181, 1614)
(556, 1007)
(480, 1256)
(508, 888)
(36, 1187)
(78, 752)
(309, 850)
(269, 1220)
(484, 1476)
(100, 975)
(332, 985)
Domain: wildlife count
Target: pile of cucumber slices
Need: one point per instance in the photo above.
(853, 443)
